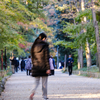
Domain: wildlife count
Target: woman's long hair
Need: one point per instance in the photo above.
(41, 36)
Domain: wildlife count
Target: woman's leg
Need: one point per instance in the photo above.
(44, 86)
(27, 71)
(37, 80)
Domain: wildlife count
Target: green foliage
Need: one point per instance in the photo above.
(0, 78)
(41, 25)
(64, 70)
(65, 44)
(9, 16)
(75, 67)
(61, 8)
(97, 16)
(9, 73)
(86, 13)
(79, 32)
(36, 6)
(83, 69)
(93, 69)
(15, 15)
(75, 32)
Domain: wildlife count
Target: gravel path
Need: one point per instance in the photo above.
(60, 87)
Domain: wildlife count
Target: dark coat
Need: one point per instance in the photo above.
(23, 63)
(40, 58)
(13, 61)
(16, 63)
(70, 61)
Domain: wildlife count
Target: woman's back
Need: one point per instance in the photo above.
(40, 58)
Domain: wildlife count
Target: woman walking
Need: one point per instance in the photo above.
(51, 65)
(28, 65)
(40, 61)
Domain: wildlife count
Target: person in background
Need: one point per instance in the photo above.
(51, 65)
(16, 64)
(13, 64)
(28, 65)
(62, 63)
(40, 61)
(53, 62)
(60, 67)
(69, 64)
(22, 65)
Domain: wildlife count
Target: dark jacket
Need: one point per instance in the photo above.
(23, 63)
(13, 61)
(40, 58)
(70, 61)
(16, 63)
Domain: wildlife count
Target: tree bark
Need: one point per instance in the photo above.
(80, 51)
(80, 58)
(1, 59)
(79, 62)
(96, 34)
(88, 54)
(97, 63)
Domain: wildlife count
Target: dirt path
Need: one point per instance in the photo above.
(60, 87)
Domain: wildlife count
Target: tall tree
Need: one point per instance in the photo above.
(88, 54)
(96, 32)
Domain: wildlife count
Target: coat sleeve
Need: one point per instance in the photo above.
(72, 60)
(47, 58)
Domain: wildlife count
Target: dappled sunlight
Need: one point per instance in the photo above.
(75, 95)
(58, 70)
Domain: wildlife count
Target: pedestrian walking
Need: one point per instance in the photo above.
(51, 65)
(53, 62)
(69, 64)
(16, 64)
(22, 65)
(41, 67)
(13, 64)
(62, 63)
(28, 65)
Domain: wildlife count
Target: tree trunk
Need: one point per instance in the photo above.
(79, 62)
(82, 5)
(37, 4)
(5, 59)
(97, 63)
(80, 51)
(57, 58)
(80, 58)
(97, 35)
(1, 59)
(88, 54)
(80, 54)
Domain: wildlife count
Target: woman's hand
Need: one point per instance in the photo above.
(48, 71)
